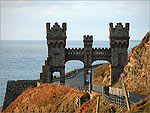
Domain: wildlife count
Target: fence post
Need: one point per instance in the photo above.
(102, 94)
(98, 101)
(90, 84)
(115, 100)
(126, 96)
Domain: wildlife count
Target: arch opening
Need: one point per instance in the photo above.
(56, 75)
(73, 64)
(96, 62)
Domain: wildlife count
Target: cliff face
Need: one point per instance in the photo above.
(139, 62)
(46, 98)
(102, 75)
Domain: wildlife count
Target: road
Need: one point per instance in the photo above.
(78, 79)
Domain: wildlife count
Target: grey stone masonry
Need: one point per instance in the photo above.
(15, 88)
(119, 42)
(58, 54)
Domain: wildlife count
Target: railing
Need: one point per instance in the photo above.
(79, 87)
(114, 100)
(114, 96)
(112, 90)
(118, 91)
(98, 88)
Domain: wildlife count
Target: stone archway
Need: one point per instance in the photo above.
(56, 75)
(58, 54)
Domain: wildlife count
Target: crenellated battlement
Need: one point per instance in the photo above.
(56, 31)
(88, 41)
(74, 51)
(88, 38)
(119, 30)
(101, 51)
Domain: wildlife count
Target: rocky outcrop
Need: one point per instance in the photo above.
(139, 62)
(137, 69)
(15, 88)
(102, 75)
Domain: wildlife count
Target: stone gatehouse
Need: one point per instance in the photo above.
(58, 54)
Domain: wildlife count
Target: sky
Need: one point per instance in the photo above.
(26, 20)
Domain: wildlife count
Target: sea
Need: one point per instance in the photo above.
(23, 59)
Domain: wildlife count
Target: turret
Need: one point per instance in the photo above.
(119, 43)
(56, 35)
(88, 41)
(47, 28)
(119, 35)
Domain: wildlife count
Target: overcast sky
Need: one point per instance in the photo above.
(25, 20)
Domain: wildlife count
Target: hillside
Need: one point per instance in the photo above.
(46, 98)
(102, 75)
(90, 106)
(138, 60)
(51, 98)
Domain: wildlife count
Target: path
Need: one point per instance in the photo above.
(78, 79)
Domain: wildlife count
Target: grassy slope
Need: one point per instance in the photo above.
(46, 98)
(90, 106)
(141, 106)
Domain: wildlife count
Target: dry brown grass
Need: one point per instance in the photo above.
(102, 75)
(45, 98)
(141, 106)
(84, 107)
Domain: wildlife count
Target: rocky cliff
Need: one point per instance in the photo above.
(139, 62)
(102, 75)
(137, 69)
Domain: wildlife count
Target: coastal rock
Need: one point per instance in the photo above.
(139, 62)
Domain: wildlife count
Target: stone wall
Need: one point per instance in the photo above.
(15, 88)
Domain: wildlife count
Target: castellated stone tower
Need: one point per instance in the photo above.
(88, 43)
(56, 42)
(58, 54)
(119, 42)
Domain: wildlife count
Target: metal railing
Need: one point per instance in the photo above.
(114, 100)
(98, 88)
(120, 101)
(78, 87)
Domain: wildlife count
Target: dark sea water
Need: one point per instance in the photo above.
(23, 60)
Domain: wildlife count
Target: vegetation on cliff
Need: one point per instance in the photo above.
(139, 61)
(46, 98)
(102, 75)
(90, 106)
